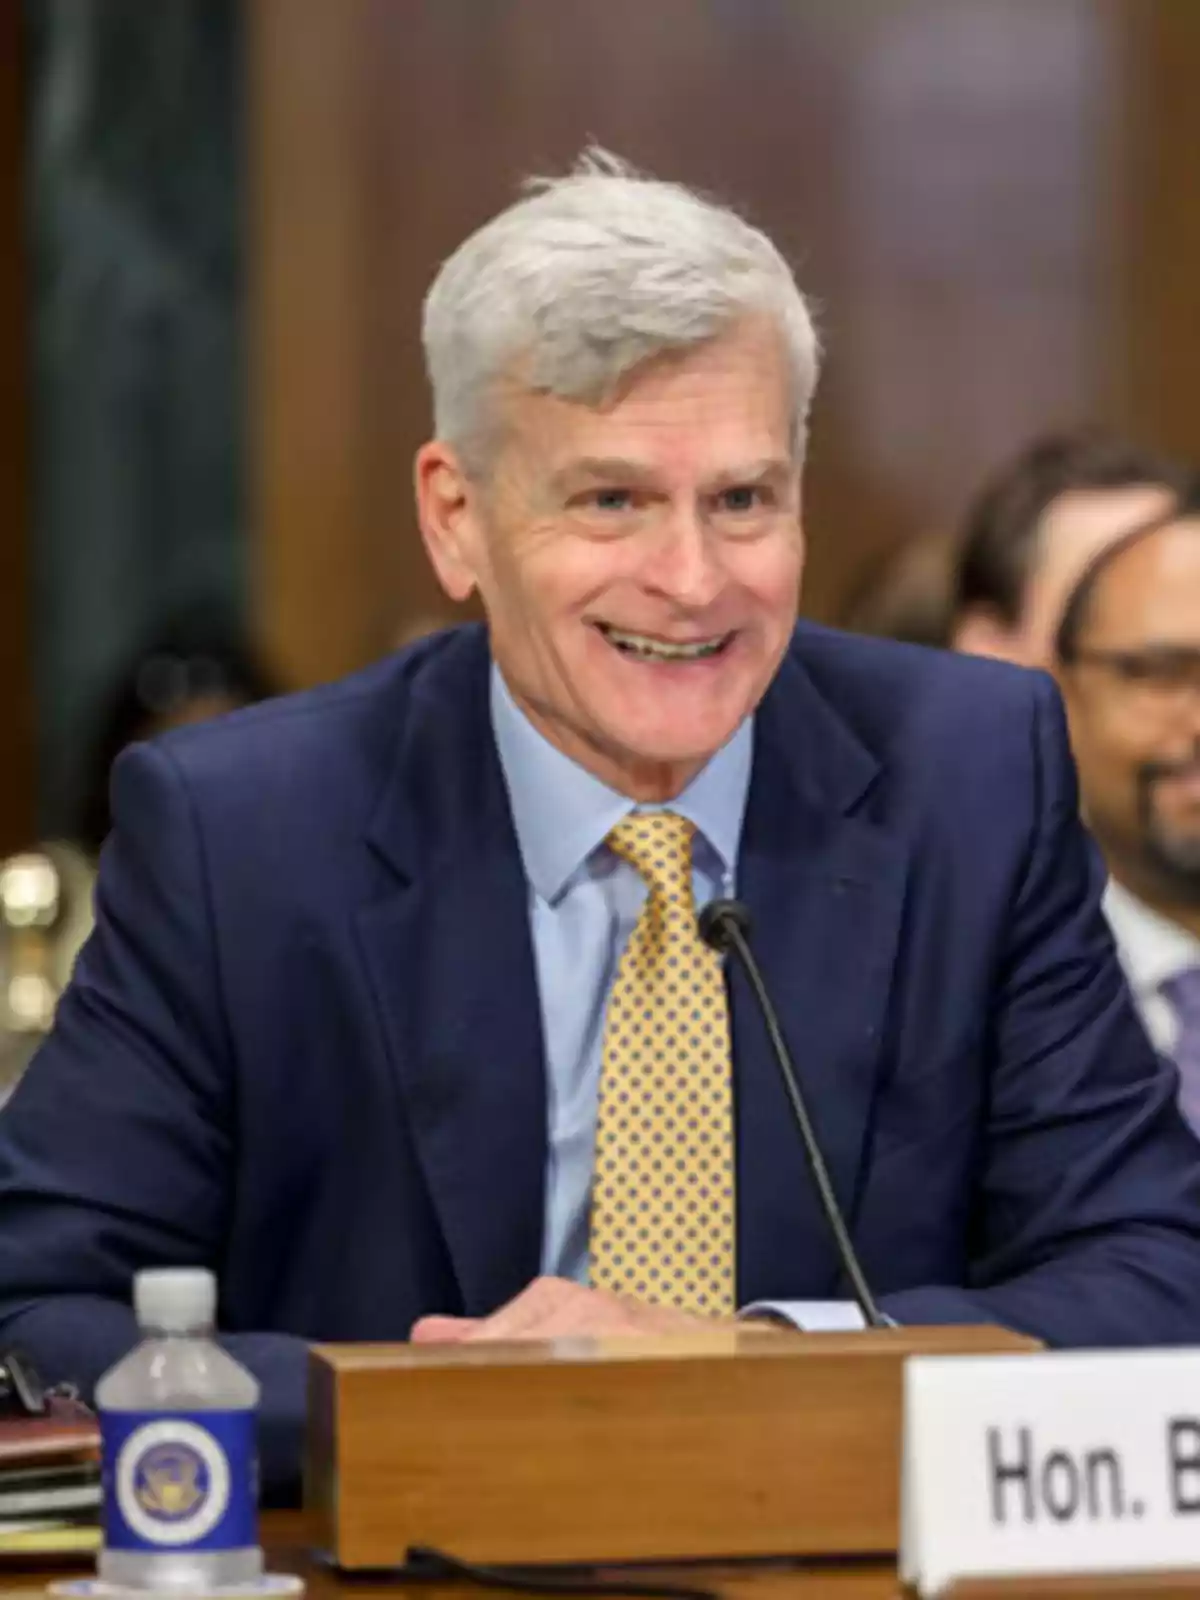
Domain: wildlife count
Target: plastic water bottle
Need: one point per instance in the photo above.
(177, 1419)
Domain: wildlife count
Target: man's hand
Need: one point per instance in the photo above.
(556, 1308)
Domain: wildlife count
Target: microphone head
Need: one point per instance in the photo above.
(718, 921)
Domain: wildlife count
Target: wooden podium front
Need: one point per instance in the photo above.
(730, 1443)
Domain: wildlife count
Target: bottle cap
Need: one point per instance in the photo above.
(175, 1299)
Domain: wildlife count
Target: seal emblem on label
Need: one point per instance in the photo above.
(172, 1482)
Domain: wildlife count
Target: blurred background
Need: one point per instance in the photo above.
(219, 218)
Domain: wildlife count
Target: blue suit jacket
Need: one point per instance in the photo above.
(304, 1044)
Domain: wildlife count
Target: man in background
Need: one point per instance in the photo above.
(1083, 558)
(1032, 530)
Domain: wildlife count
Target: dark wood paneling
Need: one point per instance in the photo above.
(941, 171)
(1161, 218)
(309, 363)
(17, 767)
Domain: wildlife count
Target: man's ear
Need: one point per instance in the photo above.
(448, 517)
(980, 631)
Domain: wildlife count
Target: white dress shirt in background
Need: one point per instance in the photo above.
(1153, 949)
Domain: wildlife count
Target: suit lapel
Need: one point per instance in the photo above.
(824, 885)
(449, 954)
(448, 951)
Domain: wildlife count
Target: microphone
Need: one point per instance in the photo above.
(725, 926)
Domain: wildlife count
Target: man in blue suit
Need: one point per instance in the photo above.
(395, 1013)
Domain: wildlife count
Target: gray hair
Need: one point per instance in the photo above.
(587, 276)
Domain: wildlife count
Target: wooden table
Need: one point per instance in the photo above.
(287, 1551)
(868, 1580)
(284, 1538)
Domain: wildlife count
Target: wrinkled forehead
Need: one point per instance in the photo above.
(695, 412)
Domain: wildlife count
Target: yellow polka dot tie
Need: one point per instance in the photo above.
(662, 1225)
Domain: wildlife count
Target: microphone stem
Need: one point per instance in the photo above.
(872, 1315)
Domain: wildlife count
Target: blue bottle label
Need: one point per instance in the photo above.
(188, 1480)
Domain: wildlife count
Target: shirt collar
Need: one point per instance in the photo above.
(1152, 947)
(562, 812)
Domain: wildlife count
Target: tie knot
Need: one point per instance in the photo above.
(1183, 991)
(659, 845)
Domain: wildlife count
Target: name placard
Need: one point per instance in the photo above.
(1056, 1463)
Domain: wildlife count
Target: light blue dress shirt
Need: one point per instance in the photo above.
(583, 904)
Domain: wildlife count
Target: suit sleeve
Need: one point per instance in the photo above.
(116, 1151)
(1087, 1215)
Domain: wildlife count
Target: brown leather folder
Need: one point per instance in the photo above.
(67, 1431)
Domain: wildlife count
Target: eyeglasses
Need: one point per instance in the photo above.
(1163, 676)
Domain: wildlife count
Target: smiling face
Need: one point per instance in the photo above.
(639, 562)
(1132, 691)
